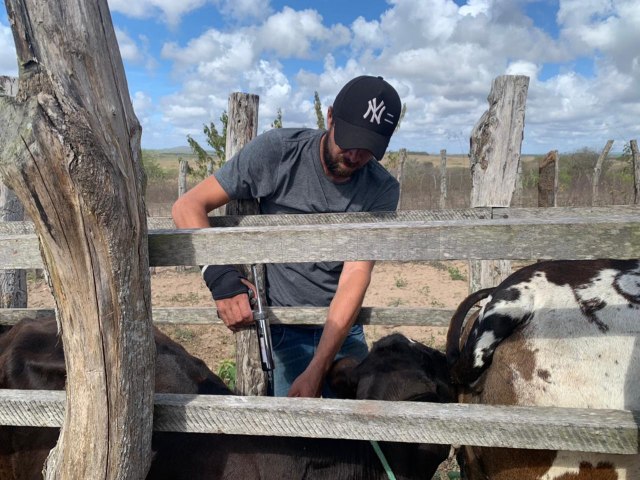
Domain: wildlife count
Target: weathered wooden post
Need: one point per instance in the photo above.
(597, 170)
(182, 177)
(13, 283)
(548, 180)
(633, 144)
(242, 127)
(70, 150)
(443, 179)
(494, 156)
(400, 174)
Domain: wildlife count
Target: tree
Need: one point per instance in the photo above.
(277, 122)
(205, 162)
(318, 107)
(70, 150)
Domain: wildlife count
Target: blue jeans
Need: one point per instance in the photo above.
(294, 347)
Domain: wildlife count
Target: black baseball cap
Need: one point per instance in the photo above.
(365, 114)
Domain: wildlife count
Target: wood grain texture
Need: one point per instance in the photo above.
(607, 431)
(70, 150)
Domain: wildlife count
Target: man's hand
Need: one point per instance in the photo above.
(308, 384)
(235, 312)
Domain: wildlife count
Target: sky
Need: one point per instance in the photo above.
(183, 58)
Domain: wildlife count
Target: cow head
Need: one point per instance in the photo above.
(396, 369)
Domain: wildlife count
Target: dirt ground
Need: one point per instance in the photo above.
(394, 284)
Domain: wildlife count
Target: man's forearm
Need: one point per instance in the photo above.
(343, 312)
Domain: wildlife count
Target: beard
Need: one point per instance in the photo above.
(335, 164)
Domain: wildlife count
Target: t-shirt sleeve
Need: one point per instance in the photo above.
(252, 172)
(387, 198)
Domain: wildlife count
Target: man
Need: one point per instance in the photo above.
(306, 171)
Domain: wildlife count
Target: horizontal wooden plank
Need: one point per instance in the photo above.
(578, 237)
(426, 317)
(574, 238)
(607, 431)
(166, 223)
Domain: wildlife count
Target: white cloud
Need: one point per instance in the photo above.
(523, 68)
(142, 103)
(441, 58)
(170, 11)
(128, 48)
(291, 33)
(8, 60)
(245, 9)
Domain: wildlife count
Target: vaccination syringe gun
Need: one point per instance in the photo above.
(263, 331)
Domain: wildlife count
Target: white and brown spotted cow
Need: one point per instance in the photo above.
(560, 333)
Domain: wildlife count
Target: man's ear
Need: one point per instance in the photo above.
(329, 117)
(342, 377)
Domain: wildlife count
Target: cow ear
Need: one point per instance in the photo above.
(342, 377)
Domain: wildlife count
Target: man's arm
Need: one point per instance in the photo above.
(191, 211)
(344, 309)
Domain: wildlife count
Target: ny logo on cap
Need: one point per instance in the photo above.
(376, 111)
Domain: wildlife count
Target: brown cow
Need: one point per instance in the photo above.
(561, 333)
(31, 357)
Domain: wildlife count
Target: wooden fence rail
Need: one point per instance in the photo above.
(505, 234)
(483, 233)
(586, 430)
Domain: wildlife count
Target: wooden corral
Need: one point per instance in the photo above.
(483, 233)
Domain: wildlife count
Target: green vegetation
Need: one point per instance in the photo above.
(455, 274)
(318, 108)
(277, 122)
(205, 163)
(152, 168)
(396, 302)
(401, 282)
(227, 372)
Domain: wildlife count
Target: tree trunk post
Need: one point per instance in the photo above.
(13, 283)
(597, 170)
(633, 144)
(71, 153)
(403, 159)
(443, 179)
(494, 156)
(241, 128)
(548, 180)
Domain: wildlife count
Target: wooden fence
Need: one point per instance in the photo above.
(480, 233)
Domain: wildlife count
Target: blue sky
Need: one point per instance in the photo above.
(183, 59)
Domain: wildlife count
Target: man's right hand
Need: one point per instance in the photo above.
(235, 312)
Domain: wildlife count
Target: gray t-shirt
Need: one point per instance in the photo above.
(282, 169)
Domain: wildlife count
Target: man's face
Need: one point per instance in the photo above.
(342, 163)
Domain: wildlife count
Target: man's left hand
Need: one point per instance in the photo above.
(308, 384)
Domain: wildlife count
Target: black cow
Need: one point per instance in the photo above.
(31, 357)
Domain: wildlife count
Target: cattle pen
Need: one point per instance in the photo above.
(480, 234)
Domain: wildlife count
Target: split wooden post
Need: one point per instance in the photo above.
(597, 170)
(494, 156)
(636, 169)
(241, 128)
(548, 180)
(13, 283)
(70, 150)
(443, 179)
